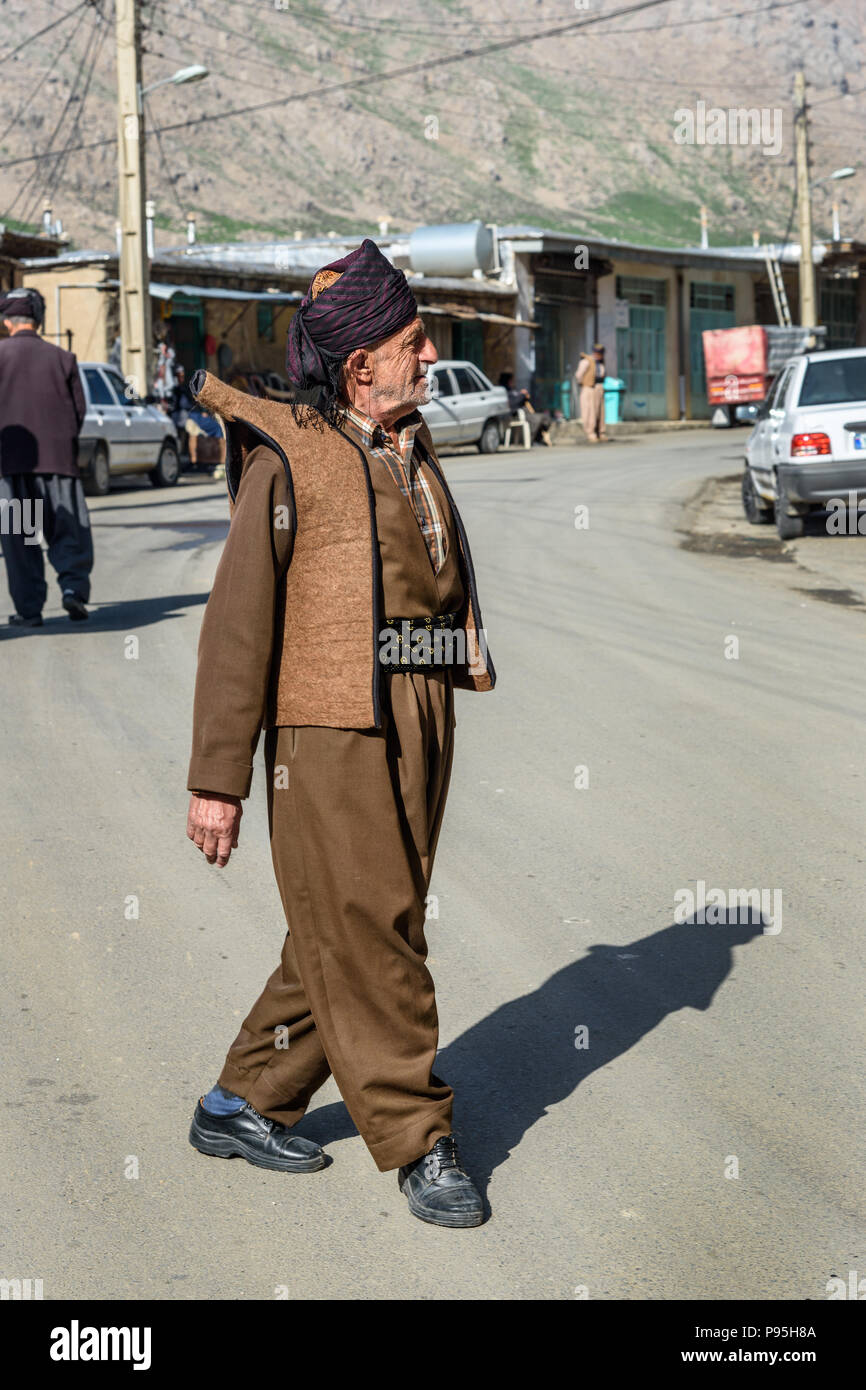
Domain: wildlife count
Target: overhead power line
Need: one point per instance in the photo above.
(172, 182)
(448, 60)
(57, 171)
(28, 100)
(67, 14)
(49, 153)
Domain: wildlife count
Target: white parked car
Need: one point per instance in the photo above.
(122, 434)
(465, 408)
(808, 444)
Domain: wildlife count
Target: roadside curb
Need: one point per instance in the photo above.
(570, 432)
(711, 523)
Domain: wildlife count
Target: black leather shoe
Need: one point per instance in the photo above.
(75, 606)
(260, 1141)
(17, 620)
(438, 1189)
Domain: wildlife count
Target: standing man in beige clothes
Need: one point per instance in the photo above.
(343, 613)
(590, 379)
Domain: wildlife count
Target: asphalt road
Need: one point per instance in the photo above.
(604, 1166)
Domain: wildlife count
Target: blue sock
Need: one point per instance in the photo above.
(220, 1102)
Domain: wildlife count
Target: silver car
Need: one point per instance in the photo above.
(122, 434)
(465, 408)
(808, 445)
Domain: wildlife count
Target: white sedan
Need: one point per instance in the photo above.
(465, 408)
(122, 434)
(808, 446)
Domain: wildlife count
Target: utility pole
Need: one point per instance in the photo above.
(135, 321)
(808, 307)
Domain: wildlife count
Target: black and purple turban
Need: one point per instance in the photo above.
(371, 300)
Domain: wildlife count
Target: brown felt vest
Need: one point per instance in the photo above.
(330, 612)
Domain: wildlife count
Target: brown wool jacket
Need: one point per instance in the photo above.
(586, 374)
(290, 632)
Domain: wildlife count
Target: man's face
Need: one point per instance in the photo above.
(399, 369)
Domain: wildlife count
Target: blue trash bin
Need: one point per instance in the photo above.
(614, 390)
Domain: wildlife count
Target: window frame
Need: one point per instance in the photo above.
(90, 372)
(465, 368)
(483, 385)
(111, 376)
(446, 371)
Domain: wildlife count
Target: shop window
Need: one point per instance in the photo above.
(265, 322)
(467, 341)
(709, 296)
(839, 312)
(638, 290)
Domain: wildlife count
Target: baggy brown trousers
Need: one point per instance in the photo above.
(592, 410)
(354, 820)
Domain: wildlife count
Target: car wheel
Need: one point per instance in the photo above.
(788, 527)
(757, 511)
(167, 469)
(489, 441)
(99, 480)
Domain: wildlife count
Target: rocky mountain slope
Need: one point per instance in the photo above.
(423, 115)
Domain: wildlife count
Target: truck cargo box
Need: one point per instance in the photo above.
(736, 364)
(741, 362)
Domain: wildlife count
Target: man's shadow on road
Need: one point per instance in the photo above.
(508, 1069)
(127, 616)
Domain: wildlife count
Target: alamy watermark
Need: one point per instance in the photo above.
(20, 1290)
(19, 518)
(740, 125)
(406, 646)
(77, 1343)
(731, 907)
(854, 1288)
(844, 518)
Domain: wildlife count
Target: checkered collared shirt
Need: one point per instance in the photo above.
(404, 465)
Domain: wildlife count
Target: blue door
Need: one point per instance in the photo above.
(710, 306)
(640, 348)
(640, 356)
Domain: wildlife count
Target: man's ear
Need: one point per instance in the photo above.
(358, 367)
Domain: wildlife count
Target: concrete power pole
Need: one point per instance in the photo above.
(135, 321)
(808, 306)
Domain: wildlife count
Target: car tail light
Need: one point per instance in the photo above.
(805, 445)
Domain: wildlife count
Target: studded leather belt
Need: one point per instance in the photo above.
(411, 644)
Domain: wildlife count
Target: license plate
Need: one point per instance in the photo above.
(860, 441)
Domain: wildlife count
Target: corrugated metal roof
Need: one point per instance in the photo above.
(165, 291)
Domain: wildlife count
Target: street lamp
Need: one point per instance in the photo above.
(194, 73)
(845, 173)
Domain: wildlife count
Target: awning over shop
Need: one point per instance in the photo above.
(462, 311)
(164, 291)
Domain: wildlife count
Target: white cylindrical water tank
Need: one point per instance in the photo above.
(456, 248)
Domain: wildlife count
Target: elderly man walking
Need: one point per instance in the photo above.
(343, 614)
(41, 412)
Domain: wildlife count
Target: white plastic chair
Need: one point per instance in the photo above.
(518, 422)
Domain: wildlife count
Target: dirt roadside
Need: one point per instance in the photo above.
(830, 568)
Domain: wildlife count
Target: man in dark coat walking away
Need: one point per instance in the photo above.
(41, 412)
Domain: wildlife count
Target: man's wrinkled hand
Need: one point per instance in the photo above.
(213, 824)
